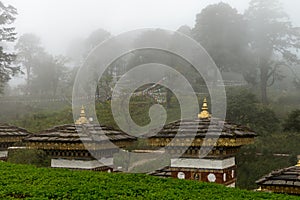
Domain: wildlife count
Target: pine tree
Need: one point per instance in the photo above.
(7, 34)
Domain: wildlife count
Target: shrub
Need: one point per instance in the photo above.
(28, 156)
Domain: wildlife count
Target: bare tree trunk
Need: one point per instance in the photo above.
(264, 83)
(168, 98)
(28, 69)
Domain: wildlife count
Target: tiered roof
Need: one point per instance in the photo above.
(285, 180)
(9, 135)
(12, 131)
(80, 133)
(162, 173)
(206, 126)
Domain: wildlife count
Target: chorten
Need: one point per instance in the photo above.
(224, 141)
(82, 119)
(81, 145)
(285, 180)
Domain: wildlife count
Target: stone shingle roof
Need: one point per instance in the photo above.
(78, 133)
(284, 177)
(211, 127)
(12, 131)
(163, 173)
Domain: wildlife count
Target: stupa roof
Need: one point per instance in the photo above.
(80, 133)
(201, 131)
(284, 177)
(210, 126)
(7, 130)
(204, 125)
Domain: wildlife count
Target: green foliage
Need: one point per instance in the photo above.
(44, 120)
(45, 74)
(139, 110)
(279, 143)
(270, 152)
(21, 181)
(221, 31)
(271, 33)
(28, 50)
(265, 121)
(290, 99)
(243, 108)
(241, 104)
(95, 38)
(252, 167)
(292, 123)
(29, 156)
(7, 34)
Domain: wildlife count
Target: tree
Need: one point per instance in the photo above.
(48, 74)
(292, 123)
(243, 108)
(45, 74)
(220, 29)
(185, 30)
(273, 41)
(172, 42)
(28, 48)
(95, 38)
(80, 49)
(7, 34)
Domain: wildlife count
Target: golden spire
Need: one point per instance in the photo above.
(82, 119)
(298, 164)
(204, 113)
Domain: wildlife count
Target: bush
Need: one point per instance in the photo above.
(29, 156)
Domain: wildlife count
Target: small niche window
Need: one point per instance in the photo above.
(181, 175)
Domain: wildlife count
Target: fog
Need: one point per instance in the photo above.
(55, 37)
(58, 22)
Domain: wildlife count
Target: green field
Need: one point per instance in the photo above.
(28, 182)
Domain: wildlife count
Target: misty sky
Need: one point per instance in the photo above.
(58, 22)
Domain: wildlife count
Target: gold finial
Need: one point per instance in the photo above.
(298, 164)
(204, 113)
(82, 119)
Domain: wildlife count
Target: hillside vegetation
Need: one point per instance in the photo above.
(253, 161)
(28, 182)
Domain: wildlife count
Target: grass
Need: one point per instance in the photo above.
(139, 109)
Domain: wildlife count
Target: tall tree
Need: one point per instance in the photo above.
(7, 34)
(220, 29)
(79, 48)
(48, 74)
(273, 40)
(28, 48)
(44, 73)
(185, 30)
(95, 38)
